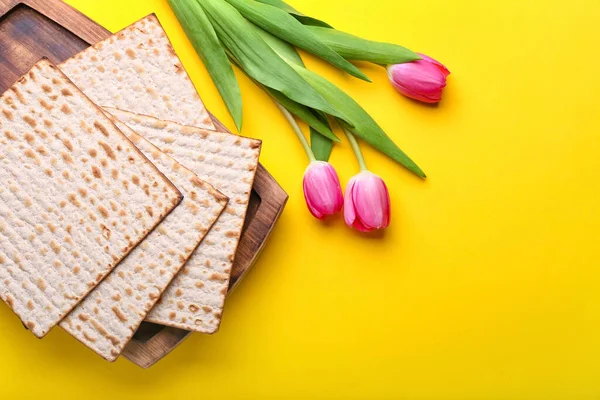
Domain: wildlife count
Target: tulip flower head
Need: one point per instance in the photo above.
(322, 189)
(421, 80)
(367, 202)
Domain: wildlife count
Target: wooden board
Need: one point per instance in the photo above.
(31, 29)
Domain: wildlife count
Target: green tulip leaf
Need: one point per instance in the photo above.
(364, 127)
(282, 48)
(321, 145)
(201, 34)
(316, 120)
(258, 59)
(360, 122)
(305, 19)
(284, 26)
(289, 53)
(280, 4)
(300, 111)
(355, 48)
(305, 114)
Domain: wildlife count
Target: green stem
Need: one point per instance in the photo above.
(355, 148)
(297, 131)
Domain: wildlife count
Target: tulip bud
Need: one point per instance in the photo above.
(367, 202)
(421, 80)
(322, 189)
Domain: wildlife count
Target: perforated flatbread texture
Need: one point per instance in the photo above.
(75, 196)
(228, 162)
(109, 316)
(137, 70)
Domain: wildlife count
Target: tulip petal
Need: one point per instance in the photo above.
(359, 226)
(431, 98)
(386, 207)
(367, 200)
(325, 195)
(322, 189)
(312, 210)
(419, 76)
(420, 80)
(349, 213)
(315, 212)
(363, 207)
(337, 201)
(435, 62)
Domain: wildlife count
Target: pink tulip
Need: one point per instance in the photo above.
(421, 80)
(322, 189)
(367, 202)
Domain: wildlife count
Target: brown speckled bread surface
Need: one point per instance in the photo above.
(137, 70)
(76, 196)
(108, 317)
(228, 162)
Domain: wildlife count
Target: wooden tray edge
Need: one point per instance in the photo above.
(64, 15)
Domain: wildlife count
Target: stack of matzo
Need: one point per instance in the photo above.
(77, 196)
(110, 315)
(229, 163)
(226, 161)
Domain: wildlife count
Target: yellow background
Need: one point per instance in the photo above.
(485, 286)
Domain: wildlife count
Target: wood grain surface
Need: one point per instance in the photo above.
(32, 29)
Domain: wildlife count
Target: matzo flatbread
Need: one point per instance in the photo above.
(76, 197)
(109, 316)
(228, 162)
(137, 70)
